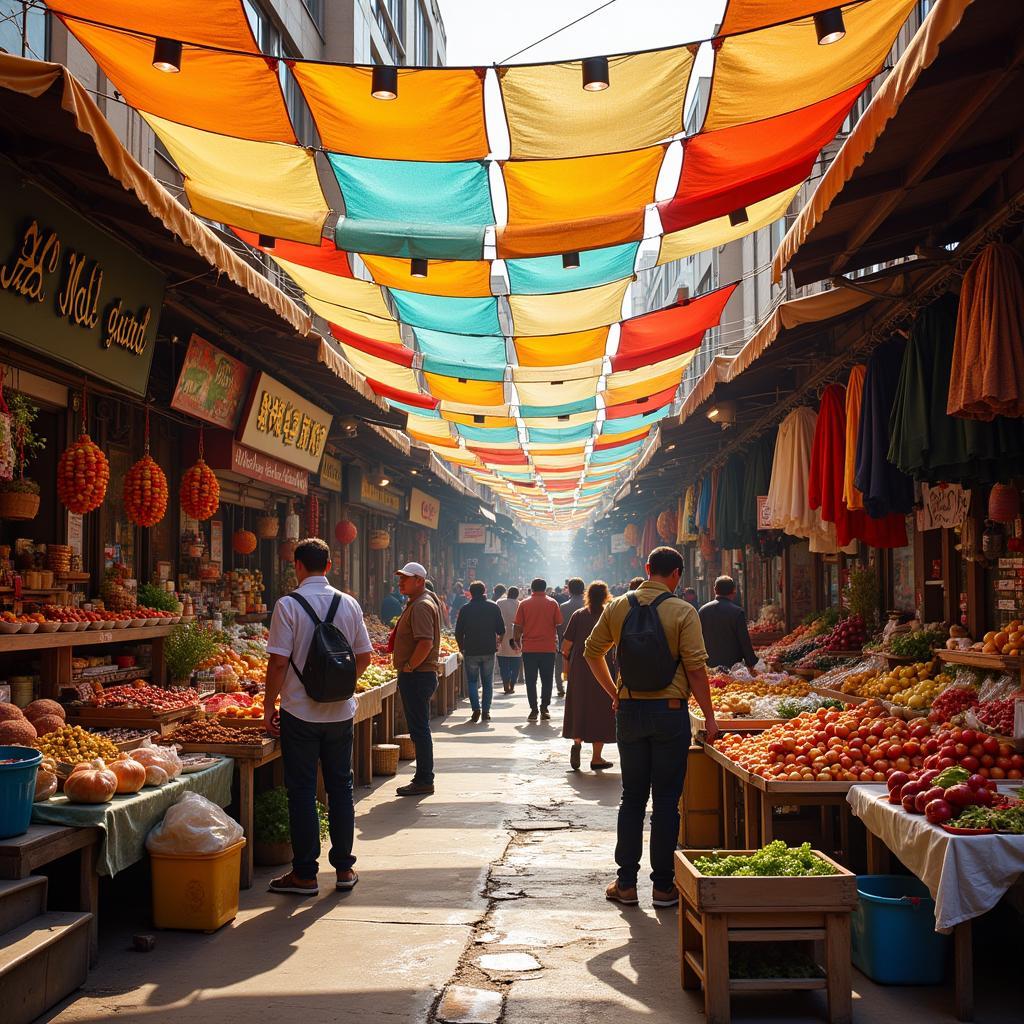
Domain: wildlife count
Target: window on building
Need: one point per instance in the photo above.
(23, 30)
(390, 17)
(423, 55)
(315, 8)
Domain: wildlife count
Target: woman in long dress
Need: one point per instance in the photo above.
(589, 717)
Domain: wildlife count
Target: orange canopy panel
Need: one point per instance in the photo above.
(630, 385)
(437, 115)
(583, 203)
(266, 187)
(550, 114)
(499, 457)
(562, 349)
(763, 74)
(465, 391)
(231, 93)
(554, 449)
(619, 410)
(728, 170)
(326, 256)
(568, 312)
(461, 278)
(208, 22)
(650, 338)
(744, 15)
(617, 440)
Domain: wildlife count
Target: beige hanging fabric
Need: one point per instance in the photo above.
(987, 378)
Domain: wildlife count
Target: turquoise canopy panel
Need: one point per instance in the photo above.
(411, 208)
(415, 410)
(544, 275)
(480, 357)
(543, 411)
(445, 313)
(496, 435)
(627, 424)
(554, 435)
(614, 454)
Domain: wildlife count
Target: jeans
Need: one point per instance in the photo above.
(416, 689)
(544, 664)
(653, 741)
(479, 669)
(509, 668)
(304, 745)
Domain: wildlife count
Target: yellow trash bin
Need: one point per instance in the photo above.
(196, 891)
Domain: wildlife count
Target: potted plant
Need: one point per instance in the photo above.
(272, 837)
(185, 648)
(19, 497)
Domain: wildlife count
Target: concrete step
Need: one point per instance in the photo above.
(41, 962)
(20, 901)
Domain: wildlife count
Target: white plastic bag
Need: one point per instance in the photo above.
(164, 756)
(194, 825)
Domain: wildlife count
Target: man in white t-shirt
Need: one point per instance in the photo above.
(314, 732)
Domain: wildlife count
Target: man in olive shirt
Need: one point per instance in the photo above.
(652, 727)
(415, 656)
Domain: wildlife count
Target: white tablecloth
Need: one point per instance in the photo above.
(966, 875)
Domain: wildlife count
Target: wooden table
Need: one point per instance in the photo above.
(375, 710)
(760, 797)
(43, 844)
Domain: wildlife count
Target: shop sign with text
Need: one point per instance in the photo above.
(472, 533)
(361, 491)
(277, 474)
(72, 292)
(211, 386)
(619, 544)
(424, 509)
(330, 473)
(282, 424)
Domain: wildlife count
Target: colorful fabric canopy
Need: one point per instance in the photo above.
(442, 312)
(543, 275)
(568, 312)
(466, 278)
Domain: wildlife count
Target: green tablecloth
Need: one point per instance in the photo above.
(126, 820)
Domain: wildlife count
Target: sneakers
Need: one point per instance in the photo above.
(532, 716)
(291, 883)
(664, 899)
(627, 897)
(415, 789)
(486, 716)
(574, 757)
(346, 884)
(475, 716)
(545, 714)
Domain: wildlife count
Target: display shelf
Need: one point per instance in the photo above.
(25, 592)
(120, 675)
(80, 638)
(975, 659)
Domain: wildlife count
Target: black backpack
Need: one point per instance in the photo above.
(645, 660)
(330, 670)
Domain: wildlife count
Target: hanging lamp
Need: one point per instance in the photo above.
(167, 55)
(384, 82)
(595, 74)
(829, 26)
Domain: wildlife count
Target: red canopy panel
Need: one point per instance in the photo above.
(641, 405)
(733, 168)
(650, 338)
(415, 398)
(501, 456)
(326, 256)
(562, 485)
(397, 354)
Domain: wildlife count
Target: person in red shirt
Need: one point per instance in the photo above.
(536, 630)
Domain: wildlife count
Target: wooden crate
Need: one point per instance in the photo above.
(700, 806)
(715, 911)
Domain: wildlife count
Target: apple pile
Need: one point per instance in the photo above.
(848, 635)
(975, 752)
(940, 795)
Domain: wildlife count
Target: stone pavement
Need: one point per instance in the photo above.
(483, 903)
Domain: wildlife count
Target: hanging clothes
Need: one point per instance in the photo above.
(827, 478)
(757, 477)
(925, 441)
(854, 399)
(687, 521)
(730, 523)
(884, 489)
(703, 516)
(987, 378)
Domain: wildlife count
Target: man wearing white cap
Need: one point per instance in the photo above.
(415, 656)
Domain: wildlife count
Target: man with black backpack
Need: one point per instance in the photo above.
(662, 661)
(318, 649)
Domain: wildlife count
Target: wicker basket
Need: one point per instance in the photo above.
(406, 747)
(385, 758)
(18, 505)
(267, 527)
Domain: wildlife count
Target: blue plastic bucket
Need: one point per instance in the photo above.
(894, 941)
(17, 789)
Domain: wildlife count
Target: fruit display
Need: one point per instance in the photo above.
(378, 631)
(995, 715)
(142, 695)
(200, 491)
(774, 860)
(72, 744)
(779, 685)
(91, 782)
(145, 492)
(232, 668)
(956, 797)
(919, 643)
(974, 750)
(131, 775)
(121, 735)
(1008, 641)
(913, 686)
(848, 634)
(862, 744)
(949, 705)
(206, 730)
(82, 476)
(375, 675)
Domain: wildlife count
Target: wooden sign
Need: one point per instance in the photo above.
(211, 386)
(283, 425)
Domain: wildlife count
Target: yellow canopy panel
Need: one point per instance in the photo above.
(538, 374)
(583, 203)
(559, 350)
(373, 327)
(550, 114)
(568, 312)
(570, 420)
(553, 393)
(427, 428)
(355, 295)
(761, 74)
(230, 93)
(267, 187)
(713, 233)
(469, 392)
(470, 420)
(620, 391)
(461, 278)
(437, 115)
(381, 370)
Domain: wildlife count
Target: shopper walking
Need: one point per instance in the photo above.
(724, 624)
(661, 660)
(416, 650)
(572, 603)
(390, 606)
(690, 596)
(314, 733)
(478, 630)
(458, 598)
(536, 628)
(510, 654)
(589, 717)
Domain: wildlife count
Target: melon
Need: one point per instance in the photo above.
(10, 713)
(47, 723)
(38, 708)
(17, 733)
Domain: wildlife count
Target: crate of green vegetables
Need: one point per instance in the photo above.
(776, 877)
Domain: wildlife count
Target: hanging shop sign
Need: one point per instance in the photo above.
(330, 473)
(492, 545)
(225, 455)
(72, 292)
(211, 386)
(424, 509)
(283, 425)
(943, 507)
(359, 490)
(472, 533)
(764, 513)
(619, 544)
